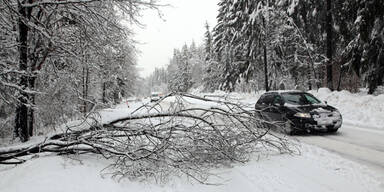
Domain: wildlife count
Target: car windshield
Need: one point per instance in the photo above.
(154, 95)
(300, 98)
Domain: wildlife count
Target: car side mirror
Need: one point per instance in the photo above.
(279, 104)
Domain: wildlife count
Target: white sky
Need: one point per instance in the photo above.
(182, 22)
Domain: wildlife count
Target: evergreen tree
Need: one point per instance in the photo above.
(229, 44)
(211, 69)
(185, 69)
(366, 50)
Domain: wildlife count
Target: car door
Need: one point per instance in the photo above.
(276, 110)
(263, 106)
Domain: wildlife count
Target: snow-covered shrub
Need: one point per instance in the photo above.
(379, 91)
(57, 103)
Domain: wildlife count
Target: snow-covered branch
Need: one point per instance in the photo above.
(177, 139)
(19, 88)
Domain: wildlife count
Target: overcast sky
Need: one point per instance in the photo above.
(182, 22)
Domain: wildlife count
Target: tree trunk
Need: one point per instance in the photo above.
(266, 68)
(329, 45)
(265, 57)
(85, 89)
(31, 110)
(340, 77)
(82, 107)
(309, 76)
(104, 93)
(24, 111)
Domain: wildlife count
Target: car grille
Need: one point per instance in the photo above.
(323, 115)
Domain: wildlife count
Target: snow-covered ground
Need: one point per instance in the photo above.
(315, 169)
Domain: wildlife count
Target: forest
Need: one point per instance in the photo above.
(283, 44)
(60, 60)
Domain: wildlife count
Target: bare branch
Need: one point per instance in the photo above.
(166, 138)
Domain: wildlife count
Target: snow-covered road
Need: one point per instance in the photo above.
(365, 146)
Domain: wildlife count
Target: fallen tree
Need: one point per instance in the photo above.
(170, 136)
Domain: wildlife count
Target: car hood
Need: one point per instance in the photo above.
(313, 109)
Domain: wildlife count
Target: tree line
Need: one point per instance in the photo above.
(184, 71)
(302, 44)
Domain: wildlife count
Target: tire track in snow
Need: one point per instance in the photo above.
(357, 144)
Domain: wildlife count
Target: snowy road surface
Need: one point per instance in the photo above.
(365, 146)
(315, 169)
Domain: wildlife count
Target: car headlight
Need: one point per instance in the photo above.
(303, 115)
(337, 113)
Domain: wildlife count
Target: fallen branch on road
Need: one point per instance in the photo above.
(166, 140)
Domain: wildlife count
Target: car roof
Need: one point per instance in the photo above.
(284, 91)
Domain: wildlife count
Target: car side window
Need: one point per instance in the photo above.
(268, 99)
(311, 99)
(261, 101)
(277, 99)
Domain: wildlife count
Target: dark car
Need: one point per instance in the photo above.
(155, 96)
(298, 111)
